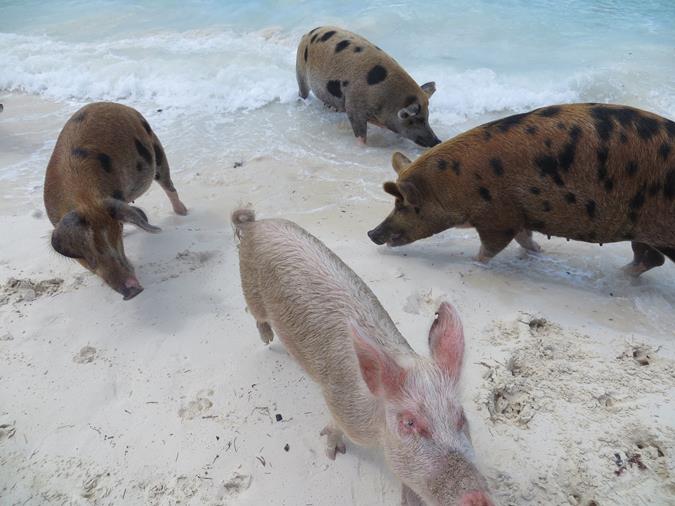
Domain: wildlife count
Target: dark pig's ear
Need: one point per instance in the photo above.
(70, 235)
(392, 189)
(410, 192)
(399, 161)
(429, 88)
(130, 214)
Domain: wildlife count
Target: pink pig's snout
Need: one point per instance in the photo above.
(131, 288)
(475, 499)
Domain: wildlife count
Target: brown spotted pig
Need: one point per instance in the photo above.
(350, 74)
(378, 390)
(590, 172)
(106, 156)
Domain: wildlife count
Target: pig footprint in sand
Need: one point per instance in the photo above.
(86, 355)
(7, 431)
(196, 407)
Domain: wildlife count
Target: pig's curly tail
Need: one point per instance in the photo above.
(240, 217)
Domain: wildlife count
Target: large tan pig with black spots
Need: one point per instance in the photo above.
(352, 75)
(591, 172)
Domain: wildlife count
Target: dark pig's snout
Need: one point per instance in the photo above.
(377, 236)
(428, 142)
(131, 288)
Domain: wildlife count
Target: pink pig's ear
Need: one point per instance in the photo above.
(446, 340)
(379, 370)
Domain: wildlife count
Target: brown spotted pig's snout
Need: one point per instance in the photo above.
(427, 142)
(378, 235)
(131, 288)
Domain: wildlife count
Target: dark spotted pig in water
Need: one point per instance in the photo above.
(589, 172)
(352, 75)
(106, 156)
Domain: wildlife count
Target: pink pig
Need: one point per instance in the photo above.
(379, 391)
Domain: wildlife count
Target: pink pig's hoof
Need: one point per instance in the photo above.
(334, 441)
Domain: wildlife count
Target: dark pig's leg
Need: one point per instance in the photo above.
(163, 177)
(644, 258)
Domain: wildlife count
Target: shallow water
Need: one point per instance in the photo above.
(225, 67)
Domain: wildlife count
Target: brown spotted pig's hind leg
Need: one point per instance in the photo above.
(163, 177)
(644, 258)
(524, 238)
(492, 242)
(358, 117)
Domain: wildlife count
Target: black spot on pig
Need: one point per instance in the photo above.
(603, 122)
(575, 132)
(80, 152)
(442, 165)
(664, 150)
(547, 143)
(327, 36)
(654, 189)
(334, 89)
(566, 156)
(532, 130)
(376, 75)
(609, 185)
(670, 127)
(118, 195)
(590, 209)
(358, 49)
(561, 125)
(341, 46)
(140, 166)
(146, 126)
(497, 166)
(602, 154)
(306, 50)
(456, 167)
(535, 191)
(159, 155)
(647, 127)
(631, 168)
(314, 30)
(570, 198)
(548, 166)
(505, 124)
(485, 194)
(105, 161)
(669, 185)
(622, 138)
(638, 199)
(546, 206)
(313, 39)
(549, 112)
(143, 151)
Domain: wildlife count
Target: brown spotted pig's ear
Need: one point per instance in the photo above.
(410, 193)
(429, 88)
(130, 214)
(399, 161)
(70, 235)
(392, 189)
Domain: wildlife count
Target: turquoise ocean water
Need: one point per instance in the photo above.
(228, 66)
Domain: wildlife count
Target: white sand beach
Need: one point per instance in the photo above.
(171, 398)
